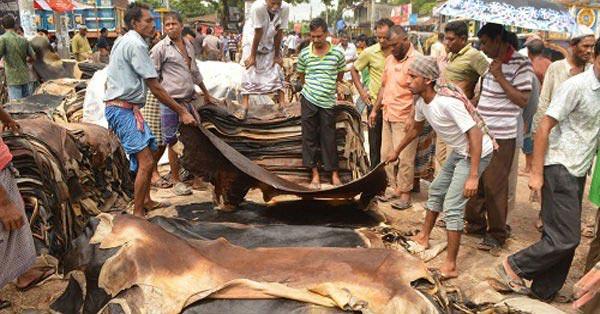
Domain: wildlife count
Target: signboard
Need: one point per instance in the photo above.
(401, 14)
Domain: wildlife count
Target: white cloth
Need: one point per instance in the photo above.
(263, 77)
(574, 140)
(450, 120)
(438, 50)
(350, 54)
(259, 18)
(211, 42)
(292, 42)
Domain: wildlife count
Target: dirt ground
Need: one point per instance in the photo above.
(475, 266)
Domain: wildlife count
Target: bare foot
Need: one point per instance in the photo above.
(448, 271)
(421, 239)
(335, 180)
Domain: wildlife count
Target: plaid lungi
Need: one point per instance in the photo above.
(17, 252)
(151, 113)
(424, 168)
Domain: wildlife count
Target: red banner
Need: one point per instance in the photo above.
(61, 6)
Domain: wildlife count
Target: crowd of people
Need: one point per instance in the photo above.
(485, 106)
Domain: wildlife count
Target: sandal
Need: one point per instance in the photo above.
(388, 197)
(400, 205)
(489, 244)
(162, 183)
(181, 189)
(516, 285)
(45, 273)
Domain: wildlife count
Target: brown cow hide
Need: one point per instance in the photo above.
(170, 273)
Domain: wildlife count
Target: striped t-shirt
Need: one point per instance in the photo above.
(320, 75)
(499, 112)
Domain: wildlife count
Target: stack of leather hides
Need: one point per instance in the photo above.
(73, 93)
(67, 173)
(271, 136)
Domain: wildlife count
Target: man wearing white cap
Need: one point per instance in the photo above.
(80, 46)
(578, 60)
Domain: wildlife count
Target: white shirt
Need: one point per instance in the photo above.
(438, 50)
(574, 140)
(259, 18)
(350, 55)
(292, 42)
(451, 121)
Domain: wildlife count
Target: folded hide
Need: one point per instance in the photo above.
(232, 174)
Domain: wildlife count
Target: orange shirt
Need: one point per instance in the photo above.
(397, 99)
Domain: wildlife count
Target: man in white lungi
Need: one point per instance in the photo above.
(261, 51)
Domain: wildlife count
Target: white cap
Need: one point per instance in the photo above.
(582, 31)
(81, 26)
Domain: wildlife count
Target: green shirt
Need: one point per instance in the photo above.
(466, 65)
(80, 47)
(14, 49)
(372, 59)
(595, 189)
(320, 75)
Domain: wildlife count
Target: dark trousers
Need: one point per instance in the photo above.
(375, 139)
(232, 55)
(547, 261)
(490, 206)
(318, 135)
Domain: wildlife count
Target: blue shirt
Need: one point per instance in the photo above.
(129, 66)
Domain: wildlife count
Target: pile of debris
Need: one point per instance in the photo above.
(271, 136)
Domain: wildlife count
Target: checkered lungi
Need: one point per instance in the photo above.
(17, 250)
(151, 113)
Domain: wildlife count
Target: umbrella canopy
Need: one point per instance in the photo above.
(532, 14)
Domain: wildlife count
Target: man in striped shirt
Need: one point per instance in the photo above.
(321, 65)
(506, 89)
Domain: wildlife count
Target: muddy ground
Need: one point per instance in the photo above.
(475, 266)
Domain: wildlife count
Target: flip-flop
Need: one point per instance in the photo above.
(489, 244)
(516, 285)
(48, 271)
(400, 205)
(162, 183)
(387, 197)
(181, 189)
